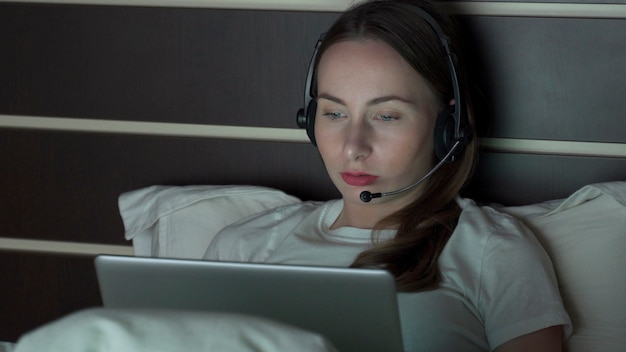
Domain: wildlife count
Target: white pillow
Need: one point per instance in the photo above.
(109, 330)
(181, 221)
(585, 236)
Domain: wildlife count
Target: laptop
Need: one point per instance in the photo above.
(355, 309)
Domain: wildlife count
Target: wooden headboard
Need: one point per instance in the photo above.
(100, 99)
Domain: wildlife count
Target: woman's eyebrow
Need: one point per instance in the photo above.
(372, 102)
(387, 98)
(331, 98)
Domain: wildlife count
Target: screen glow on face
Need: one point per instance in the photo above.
(375, 120)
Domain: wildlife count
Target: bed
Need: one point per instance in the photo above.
(103, 100)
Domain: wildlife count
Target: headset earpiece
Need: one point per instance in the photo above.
(447, 134)
(445, 128)
(306, 115)
(301, 118)
(311, 110)
(306, 120)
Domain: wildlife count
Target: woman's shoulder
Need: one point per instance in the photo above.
(486, 238)
(257, 230)
(499, 264)
(280, 216)
(483, 223)
(290, 211)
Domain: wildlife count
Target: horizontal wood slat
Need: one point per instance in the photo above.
(508, 145)
(474, 8)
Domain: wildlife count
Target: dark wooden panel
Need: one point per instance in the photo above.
(65, 186)
(549, 78)
(156, 64)
(37, 289)
(519, 179)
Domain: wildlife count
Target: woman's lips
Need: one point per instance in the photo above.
(358, 178)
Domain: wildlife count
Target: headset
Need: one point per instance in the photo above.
(452, 132)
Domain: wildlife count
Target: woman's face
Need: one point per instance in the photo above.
(375, 120)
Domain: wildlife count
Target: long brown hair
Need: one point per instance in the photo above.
(425, 225)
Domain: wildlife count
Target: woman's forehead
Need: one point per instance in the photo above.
(368, 67)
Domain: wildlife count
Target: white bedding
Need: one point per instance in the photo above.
(110, 330)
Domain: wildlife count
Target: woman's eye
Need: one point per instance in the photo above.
(334, 115)
(386, 117)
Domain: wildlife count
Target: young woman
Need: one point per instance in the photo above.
(388, 113)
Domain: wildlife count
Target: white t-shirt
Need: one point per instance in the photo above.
(497, 282)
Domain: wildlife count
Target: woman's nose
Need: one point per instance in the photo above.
(358, 140)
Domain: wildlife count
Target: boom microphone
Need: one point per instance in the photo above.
(367, 196)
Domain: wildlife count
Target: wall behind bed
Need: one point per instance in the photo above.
(100, 99)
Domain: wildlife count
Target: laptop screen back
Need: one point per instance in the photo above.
(356, 309)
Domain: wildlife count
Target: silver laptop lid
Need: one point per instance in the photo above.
(356, 309)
